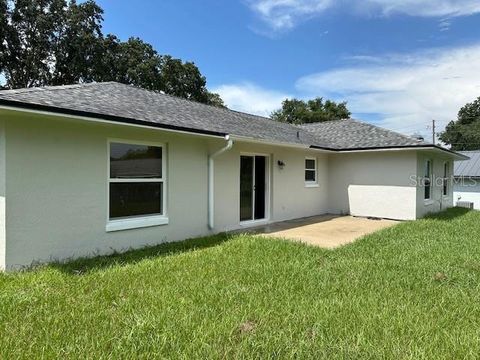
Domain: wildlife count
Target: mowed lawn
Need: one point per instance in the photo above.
(407, 292)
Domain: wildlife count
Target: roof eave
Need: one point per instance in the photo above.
(91, 116)
(454, 154)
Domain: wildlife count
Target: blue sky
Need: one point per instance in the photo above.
(398, 63)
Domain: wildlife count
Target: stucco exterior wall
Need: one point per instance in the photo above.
(57, 180)
(57, 187)
(467, 190)
(289, 197)
(58, 184)
(438, 202)
(2, 196)
(373, 184)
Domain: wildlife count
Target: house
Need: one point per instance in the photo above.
(467, 179)
(94, 168)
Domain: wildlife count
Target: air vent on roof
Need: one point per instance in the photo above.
(418, 137)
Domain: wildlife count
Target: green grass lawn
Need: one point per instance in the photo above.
(407, 292)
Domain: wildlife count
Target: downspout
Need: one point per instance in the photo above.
(211, 175)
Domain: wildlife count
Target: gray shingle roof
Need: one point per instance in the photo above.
(119, 102)
(468, 168)
(126, 101)
(352, 134)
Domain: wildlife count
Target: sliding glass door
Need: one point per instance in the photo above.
(253, 187)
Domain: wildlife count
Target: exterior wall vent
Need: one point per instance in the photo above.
(465, 204)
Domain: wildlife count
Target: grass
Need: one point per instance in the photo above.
(407, 292)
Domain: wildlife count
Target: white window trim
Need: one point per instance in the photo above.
(311, 183)
(135, 222)
(430, 200)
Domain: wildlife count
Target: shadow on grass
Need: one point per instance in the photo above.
(86, 265)
(449, 214)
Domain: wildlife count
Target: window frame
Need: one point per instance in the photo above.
(134, 222)
(445, 182)
(429, 177)
(310, 183)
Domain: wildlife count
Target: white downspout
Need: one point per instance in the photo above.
(211, 175)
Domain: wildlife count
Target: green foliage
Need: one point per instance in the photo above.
(132, 62)
(30, 36)
(407, 292)
(464, 133)
(296, 111)
(3, 29)
(78, 47)
(55, 42)
(185, 80)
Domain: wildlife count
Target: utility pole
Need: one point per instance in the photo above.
(434, 135)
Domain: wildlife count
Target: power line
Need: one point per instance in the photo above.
(434, 137)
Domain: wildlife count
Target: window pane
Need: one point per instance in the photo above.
(309, 164)
(427, 189)
(427, 192)
(135, 199)
(310, 175)
(246, 188)
(135, 161)
(427, 168)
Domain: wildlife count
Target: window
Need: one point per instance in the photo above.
(427, 181)
(136, 185)
(446, 171)
(310, 170)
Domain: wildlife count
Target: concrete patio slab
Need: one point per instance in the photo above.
(328, 231)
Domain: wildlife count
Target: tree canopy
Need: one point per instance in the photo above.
(296, 111)
(55, 42)
(464, 133)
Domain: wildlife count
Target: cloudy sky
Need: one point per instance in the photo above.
(398, 63)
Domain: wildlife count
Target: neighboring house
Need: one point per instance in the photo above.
(95, 168)
(467, 179)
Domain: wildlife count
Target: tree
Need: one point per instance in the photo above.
(185, 80)
(296, 111)
(55, 42)
(31, 26)
(78, 44)
(3, 29)
(464, 133)
(131, 62)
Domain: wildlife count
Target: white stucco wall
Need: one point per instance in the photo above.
(289, 197)
(2, 196)
(58, 186)
(438, 202)
(373, 184)
(57, 183)
(467, 190)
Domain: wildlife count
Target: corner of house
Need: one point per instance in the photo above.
(2, 197)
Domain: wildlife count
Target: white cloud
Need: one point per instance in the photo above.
(285, 14)
(405, 91)
(250, 98)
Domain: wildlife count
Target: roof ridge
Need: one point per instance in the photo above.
(360, 122)
(217, 108)
(312, 124)
(55, 87)
(387, 130)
